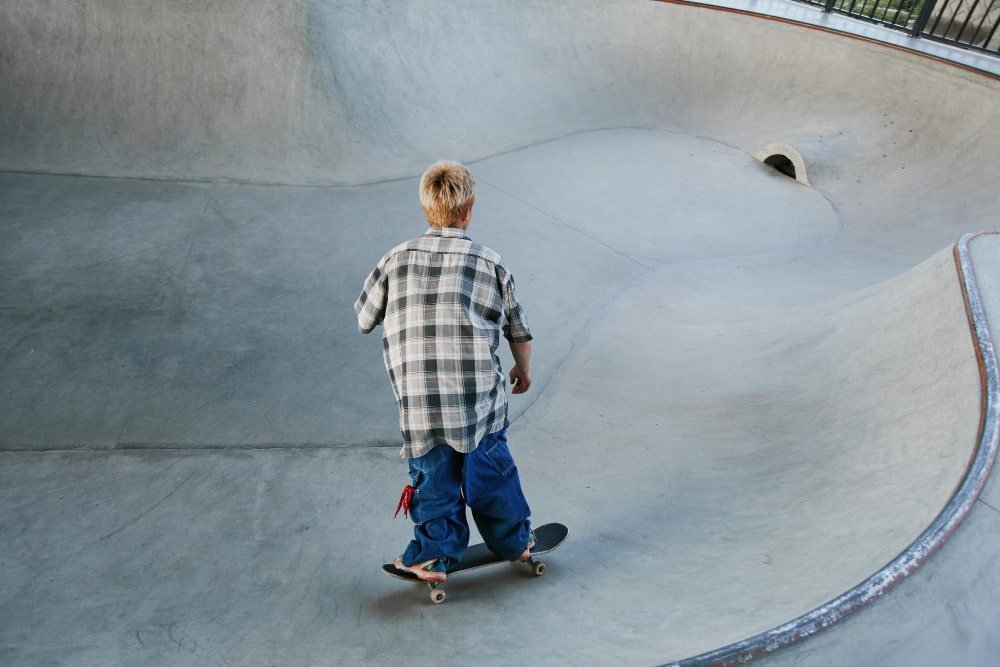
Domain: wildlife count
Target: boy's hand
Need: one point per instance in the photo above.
(520, 380)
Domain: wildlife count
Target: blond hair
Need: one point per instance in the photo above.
(447, 190)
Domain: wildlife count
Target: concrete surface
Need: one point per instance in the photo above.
(749, 394)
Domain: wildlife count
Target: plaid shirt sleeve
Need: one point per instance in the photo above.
(516, 329)
(370, 306)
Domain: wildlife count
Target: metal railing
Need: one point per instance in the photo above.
(972, 24)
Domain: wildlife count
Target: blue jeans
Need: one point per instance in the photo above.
(445, 481)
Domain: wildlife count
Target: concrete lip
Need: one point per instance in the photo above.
(943, 526)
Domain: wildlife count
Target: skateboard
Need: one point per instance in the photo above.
(547, 538)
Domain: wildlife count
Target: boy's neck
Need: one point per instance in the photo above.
(450, 230)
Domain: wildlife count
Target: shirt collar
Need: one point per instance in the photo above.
(447, 232)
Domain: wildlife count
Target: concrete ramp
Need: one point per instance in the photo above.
(829, 451)
(754, 400)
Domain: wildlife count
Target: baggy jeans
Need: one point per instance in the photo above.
(445, 481)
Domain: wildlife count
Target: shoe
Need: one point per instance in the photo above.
(526, 554)
(431, 571)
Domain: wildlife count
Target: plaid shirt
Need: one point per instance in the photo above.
(443, 302)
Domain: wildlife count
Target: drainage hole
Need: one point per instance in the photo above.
(781, 163)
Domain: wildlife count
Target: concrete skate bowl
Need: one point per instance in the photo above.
(758, 404)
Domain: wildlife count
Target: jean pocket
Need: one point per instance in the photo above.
(430, 461)
(500, 458)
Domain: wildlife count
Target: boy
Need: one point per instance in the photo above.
(443, 302)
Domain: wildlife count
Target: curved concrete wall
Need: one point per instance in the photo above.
(337, 92)
(784, 447)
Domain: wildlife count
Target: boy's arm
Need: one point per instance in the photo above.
(517, 334)
(370, 306)
(520, 375)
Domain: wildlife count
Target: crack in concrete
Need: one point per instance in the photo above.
(565, 224)
(345, 184)
(988, 505)
(142, 515)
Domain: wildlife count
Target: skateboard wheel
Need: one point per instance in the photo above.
(437, 596)
(538, 569)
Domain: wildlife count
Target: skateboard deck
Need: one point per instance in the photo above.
(547, 538)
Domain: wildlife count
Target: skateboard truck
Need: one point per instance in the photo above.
(537, 566)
